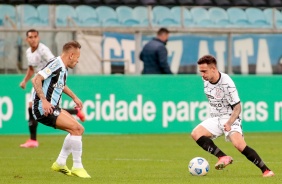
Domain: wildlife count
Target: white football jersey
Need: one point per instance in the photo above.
(221, 95)
(39, 58)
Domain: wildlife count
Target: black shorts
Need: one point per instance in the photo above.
(51, 119)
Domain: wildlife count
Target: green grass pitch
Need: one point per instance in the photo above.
(157, 158)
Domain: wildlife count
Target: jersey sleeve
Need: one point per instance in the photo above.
(50, 69)
(231, 93)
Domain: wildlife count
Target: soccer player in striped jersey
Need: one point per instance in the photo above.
(37, 56)
(225, 110)
(49, 84)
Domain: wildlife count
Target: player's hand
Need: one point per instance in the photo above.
(227, 127)
(78, 103)
(47, 107)
(23, 84)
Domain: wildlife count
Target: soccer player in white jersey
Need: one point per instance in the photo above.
(38, 56)
(225, 110)
(49, 84)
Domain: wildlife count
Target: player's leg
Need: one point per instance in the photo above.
(32, 125)
(240, 144)
(78, 112)
(203, 133)
(72, 143)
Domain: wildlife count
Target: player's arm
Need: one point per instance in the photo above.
(37, 84)
(71, 94)
(29, 74)
(235, 113)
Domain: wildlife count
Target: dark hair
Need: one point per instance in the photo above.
(208, 59)
(163, 31)
(71, 44)
(30, 31)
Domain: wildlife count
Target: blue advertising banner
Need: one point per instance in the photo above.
(253, 53)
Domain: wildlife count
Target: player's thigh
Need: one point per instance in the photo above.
(67, 122)
(208, 128)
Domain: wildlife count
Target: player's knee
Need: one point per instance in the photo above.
(240, 147)
(195, 135)
(78, 129)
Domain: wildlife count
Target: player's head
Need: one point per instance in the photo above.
(207, 67)
(32, 38)
(163, 34)
(71, 53)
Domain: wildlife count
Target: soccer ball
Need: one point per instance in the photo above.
(198, 166)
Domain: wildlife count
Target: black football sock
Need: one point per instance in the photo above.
(208, 145)
(71, 111)
(254, 157)
(32, 124)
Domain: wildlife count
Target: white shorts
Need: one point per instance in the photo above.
(30, 96)
(216, 127)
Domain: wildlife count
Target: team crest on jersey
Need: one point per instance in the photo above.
(47, 71)
(219, 93)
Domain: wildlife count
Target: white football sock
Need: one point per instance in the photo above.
(65, 151)
(76, 151)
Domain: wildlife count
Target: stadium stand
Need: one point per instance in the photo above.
(163, 17)
(187, 17)
(107, 16)
(241, 3)
(256, 17)
(65, 16)
(29, 16)
(201, 17)
(238, 17)
(7, 15)
(219, 17)
(186, 2)
(269, 17)
(87, 16)
(43, 14)
(125, 16)
(90, 2)
(141, 14)
(168, 2)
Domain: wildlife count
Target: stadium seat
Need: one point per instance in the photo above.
(256, 17)
(36, 1)
(223, 2)
(43, 14)
(141, 14)
(186, 2)
(87, 16)
(204, 2)
(176, 12)
(163, 17)
(125, 16)
(241, 3)
(219, 16)
(201, 17)
(107, 16)
(258, 2)
(275, 3)
(238, 17)
(63, 13)
(28, 15)
(9, 11)
(268, 12)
